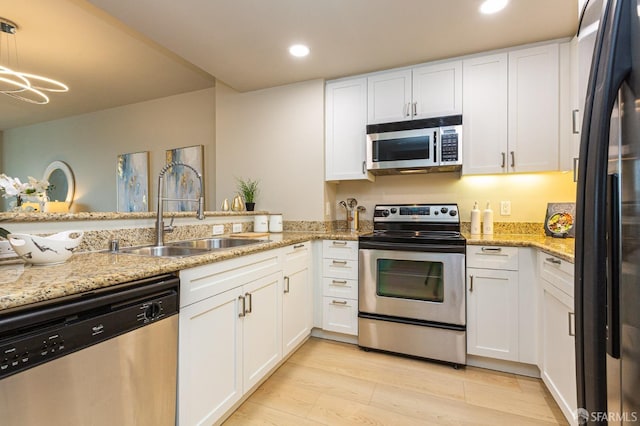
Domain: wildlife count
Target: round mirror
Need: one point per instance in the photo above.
(60, 178)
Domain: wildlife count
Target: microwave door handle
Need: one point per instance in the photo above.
(435, 147)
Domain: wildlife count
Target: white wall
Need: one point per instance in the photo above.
(277, 137)
(90, 144)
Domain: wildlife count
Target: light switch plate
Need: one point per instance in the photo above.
(237, 227)
(218, 229)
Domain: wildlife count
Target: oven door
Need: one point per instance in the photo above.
(403, 149)
(422, 286)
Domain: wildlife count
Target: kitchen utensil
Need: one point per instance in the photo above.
(352, 203)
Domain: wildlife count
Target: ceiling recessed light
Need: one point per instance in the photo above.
(299, 50)
(493, 6)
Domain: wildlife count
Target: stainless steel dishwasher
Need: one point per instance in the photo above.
(105, 357)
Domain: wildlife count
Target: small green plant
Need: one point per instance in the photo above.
(248, 189)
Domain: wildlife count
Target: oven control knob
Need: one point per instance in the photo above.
(444, 210)
(394, 210)
(453, 212)
(436, 213)
(153, 311)
(385, 213)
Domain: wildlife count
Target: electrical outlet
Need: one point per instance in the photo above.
(237, 227)
(218, 229)
(505, 208)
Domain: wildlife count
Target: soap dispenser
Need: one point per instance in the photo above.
(475, 220)
(487, 220)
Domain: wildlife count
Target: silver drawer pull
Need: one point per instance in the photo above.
(337, 302)
(242, 312)
(470, 283)
(491, 249)
(339, 262)
(339, 243)
(339, 282)
(554, 260)
(572, 328)
(298, 246)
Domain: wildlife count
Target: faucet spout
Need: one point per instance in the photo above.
(159, 228)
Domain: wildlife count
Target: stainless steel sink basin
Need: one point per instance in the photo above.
(215, 243)
(164, 251)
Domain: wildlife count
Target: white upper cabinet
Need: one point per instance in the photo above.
(485, 114)
(420, 92)
(511, 111)
(345, 132)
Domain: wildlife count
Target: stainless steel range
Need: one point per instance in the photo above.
(411, 282)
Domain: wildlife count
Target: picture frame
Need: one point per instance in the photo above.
(132, 182)
(181, 183)
(560, 220)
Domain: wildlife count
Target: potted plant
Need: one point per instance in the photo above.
(248, 189)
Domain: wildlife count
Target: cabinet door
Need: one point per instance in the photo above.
(262, 338)
(534, 99)
(389, 97)
(210, 370)
(296, 297)
(558, 360)
(340, 315)
(484, 106)
(492, 313)
(437, 90)
(345, 132)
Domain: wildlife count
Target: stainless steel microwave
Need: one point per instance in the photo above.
(415, 146)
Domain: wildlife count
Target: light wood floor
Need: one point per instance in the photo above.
(330, 383)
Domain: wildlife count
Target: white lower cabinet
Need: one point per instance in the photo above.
(340, 286)
(558, 333)
(296, 296)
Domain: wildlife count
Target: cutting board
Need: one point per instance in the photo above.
(250, 234)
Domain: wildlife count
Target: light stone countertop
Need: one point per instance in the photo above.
(22, 284)
(25, 284)
(564, 248)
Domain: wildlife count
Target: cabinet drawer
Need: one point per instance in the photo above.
(492, 257)
(557, 272)
(340, 268)
(335, 287)
(340, 315)
(334, 249)
(296, 257)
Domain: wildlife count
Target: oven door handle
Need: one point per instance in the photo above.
(439, 248)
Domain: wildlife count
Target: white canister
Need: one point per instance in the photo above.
(275, 223)
(261, 223)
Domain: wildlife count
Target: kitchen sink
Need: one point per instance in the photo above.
(190, 247)
(215, 243)
(164, 251)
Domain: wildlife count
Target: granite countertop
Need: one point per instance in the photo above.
(564, 248)
(22, 284)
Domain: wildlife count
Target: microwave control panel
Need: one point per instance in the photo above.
(449, 146)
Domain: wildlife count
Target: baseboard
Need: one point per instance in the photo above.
(504, 366)
(330, 335)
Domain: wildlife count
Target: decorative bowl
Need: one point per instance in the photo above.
(50, 250)
(6, 250)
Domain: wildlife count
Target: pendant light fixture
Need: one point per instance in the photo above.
(19, 85)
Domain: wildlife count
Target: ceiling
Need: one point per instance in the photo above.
(117, 52)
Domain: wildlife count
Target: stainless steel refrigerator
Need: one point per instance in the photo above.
(607, 261)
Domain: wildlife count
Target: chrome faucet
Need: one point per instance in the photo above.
(160, 228)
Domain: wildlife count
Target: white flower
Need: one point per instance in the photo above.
(12, 187)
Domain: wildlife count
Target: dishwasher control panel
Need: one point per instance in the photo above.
(60, 336)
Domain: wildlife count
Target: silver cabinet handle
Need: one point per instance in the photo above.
(339, 282)
(470, 283)
(364, 167)
(491, 249)
(554, 260)
(286, 285)
(513, 159)
(415, 109)
(297, 246)
(504, 160)
(572, 329)
(575, 169)
(339, 243)
(248, 296)
(242, 311)
(339, 262)
(338, 302)
(574, 121)
(408, 109)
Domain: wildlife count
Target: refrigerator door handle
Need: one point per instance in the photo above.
(613, 265)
